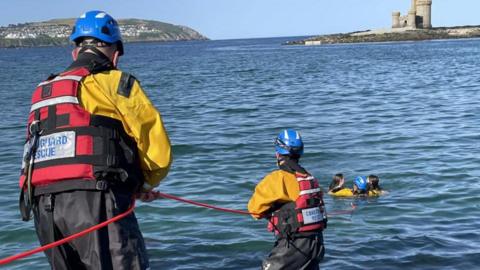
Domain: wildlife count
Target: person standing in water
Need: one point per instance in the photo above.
(95, 141)
(291, 199)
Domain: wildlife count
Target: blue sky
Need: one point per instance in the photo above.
(226, 19)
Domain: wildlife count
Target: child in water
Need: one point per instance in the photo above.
(337, 184)
(362, 186)
(291, 199)
(374, 186)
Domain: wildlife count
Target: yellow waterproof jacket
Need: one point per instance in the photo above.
(99, 94)
(277, 187)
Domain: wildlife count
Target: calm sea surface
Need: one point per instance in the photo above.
(408, 112)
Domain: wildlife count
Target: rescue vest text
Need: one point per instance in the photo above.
(55, 146)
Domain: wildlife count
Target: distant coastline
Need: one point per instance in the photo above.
(56, 32)
(389, 35)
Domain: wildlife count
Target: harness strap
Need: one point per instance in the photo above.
(87, 130)
(297, 235)
(25, 204)
(75, 184)
(97, 161)
(49, 207)
(100, 120)
(51, 121)
(25, 208)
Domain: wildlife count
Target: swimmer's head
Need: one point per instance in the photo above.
(361, 183)
(373, 180)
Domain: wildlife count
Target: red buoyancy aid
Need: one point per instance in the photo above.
(306, 214)
(73, 143)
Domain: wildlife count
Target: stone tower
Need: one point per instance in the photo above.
(396, 19)
(424, 10)
(412, 15)
(419, 16)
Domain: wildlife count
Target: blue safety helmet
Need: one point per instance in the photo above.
(97, 24)
(289, 142)
(360, 182)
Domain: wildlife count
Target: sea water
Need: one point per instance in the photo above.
(407, 112)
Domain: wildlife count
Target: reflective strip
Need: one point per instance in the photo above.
(305, 179)
(309, 191)
(54, 101)
(61, 78)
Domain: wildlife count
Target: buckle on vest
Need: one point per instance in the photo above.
(34, 127)
(112, 161)
(313, 201)
(101, 185)
(115, 136)
(49, 205)
(46, 90)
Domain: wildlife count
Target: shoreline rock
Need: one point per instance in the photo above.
(392, 35)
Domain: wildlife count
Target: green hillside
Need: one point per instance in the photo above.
(56, 31)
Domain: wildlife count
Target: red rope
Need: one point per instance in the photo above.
(126, 213)
(69, 238)
(160, 194)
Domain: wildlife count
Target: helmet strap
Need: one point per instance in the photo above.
(116, 56)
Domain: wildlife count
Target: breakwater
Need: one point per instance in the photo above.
(392, 35)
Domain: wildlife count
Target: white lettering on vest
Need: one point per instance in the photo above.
(311, 215)
(55, 146)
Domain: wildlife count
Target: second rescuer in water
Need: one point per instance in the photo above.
(291, 199)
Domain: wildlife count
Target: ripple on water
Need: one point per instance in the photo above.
(404, 111)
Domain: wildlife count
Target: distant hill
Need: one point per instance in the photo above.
(56, 32)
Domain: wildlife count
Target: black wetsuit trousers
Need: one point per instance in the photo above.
(301, 253)
(120, 245)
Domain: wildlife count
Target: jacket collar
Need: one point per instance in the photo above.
(93, 62)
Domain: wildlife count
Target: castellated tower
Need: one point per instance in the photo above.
(412, 19)
(424, 10)
(396, 19)
(419, 16)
